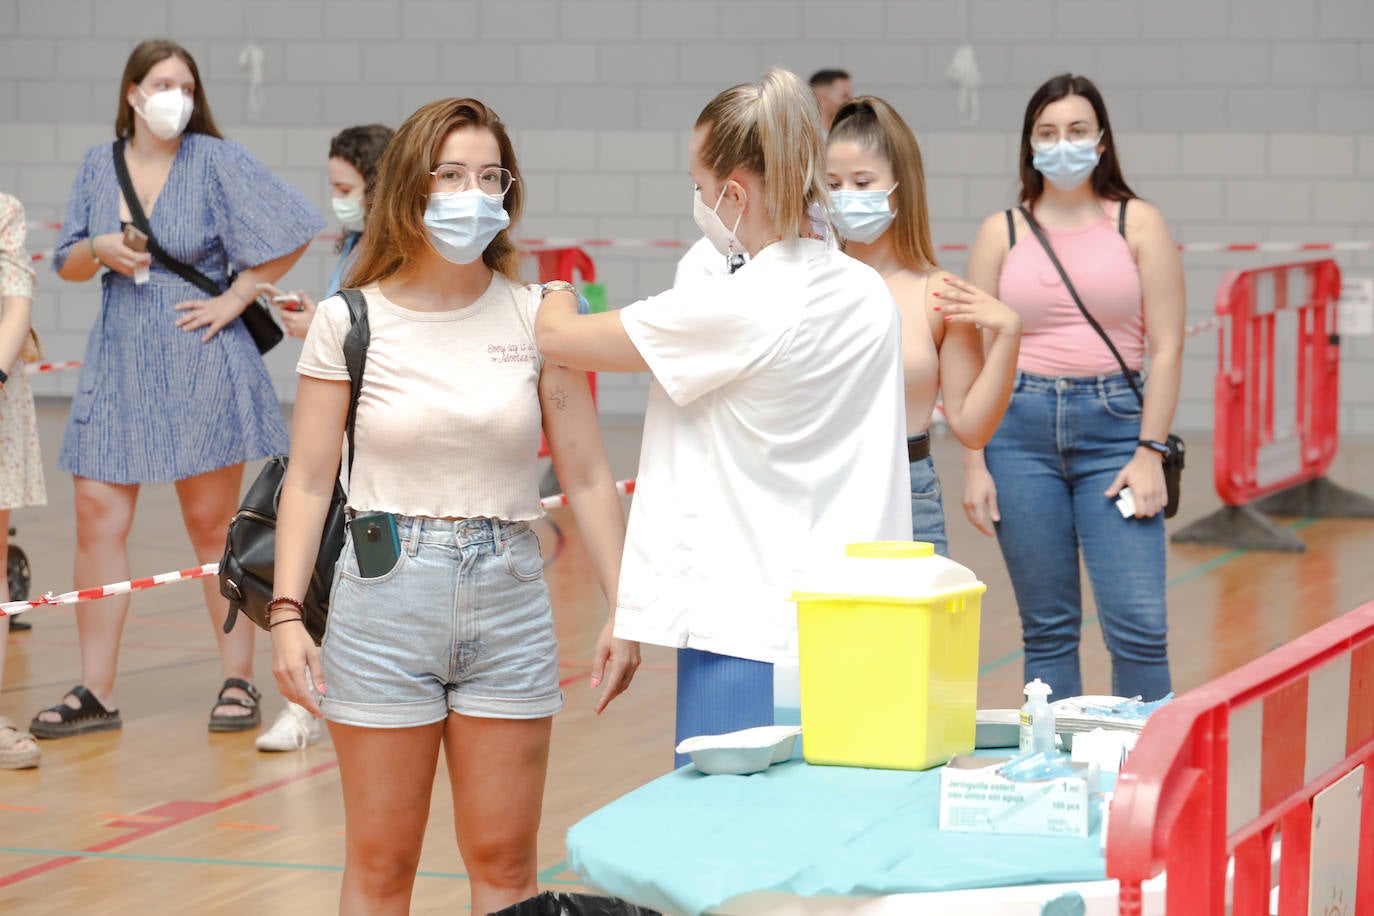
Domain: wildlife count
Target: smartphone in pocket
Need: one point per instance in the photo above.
(375, 543)
(136, 239)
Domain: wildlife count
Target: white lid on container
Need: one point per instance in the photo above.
(887, 571)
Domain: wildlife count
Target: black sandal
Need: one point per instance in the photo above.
(222, 723)
(90, 716)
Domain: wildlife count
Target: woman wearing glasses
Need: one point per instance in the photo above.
(1075, 434)
(450, 641)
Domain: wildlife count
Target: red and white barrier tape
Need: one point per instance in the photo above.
(1352, 245)
(623, 487)
(36, 368)
(9, 609)
(1201, 327)
(535, 244)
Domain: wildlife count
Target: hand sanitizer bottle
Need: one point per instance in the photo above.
(1037, 719)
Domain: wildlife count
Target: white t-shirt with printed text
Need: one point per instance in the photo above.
(448, 417)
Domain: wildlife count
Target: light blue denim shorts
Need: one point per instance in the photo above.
(461, 623)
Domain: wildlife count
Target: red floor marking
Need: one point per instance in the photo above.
(121, 819)
(20, 808)
(174, 814)
(573, 678)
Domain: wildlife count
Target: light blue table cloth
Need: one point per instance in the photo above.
(686, 842)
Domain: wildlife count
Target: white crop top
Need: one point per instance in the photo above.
(449, 419)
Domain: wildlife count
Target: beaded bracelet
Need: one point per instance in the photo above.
(273, 625)
(282, 600)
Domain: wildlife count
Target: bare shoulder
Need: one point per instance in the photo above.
(1142, 215)
(1147, 231)
(907, 286)
(994, 228)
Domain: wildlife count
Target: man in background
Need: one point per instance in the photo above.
(833, 89)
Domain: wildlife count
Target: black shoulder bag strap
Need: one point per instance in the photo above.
(140, 220)
(1068, 284)
(355, 357)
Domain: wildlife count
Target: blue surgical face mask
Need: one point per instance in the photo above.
(861, 216)
(462, 224)
(1066, 166)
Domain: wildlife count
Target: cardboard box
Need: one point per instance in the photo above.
(974, 799)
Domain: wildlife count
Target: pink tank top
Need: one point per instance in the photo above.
(1056, 340)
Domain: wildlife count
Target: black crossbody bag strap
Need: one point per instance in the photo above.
(1039, 234)
(140, 221)
(355, 357)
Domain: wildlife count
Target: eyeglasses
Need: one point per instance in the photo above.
(1080, 135)
(492, 181)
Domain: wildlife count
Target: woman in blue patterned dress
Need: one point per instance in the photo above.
(173, 387)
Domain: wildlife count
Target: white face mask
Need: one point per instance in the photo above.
(861, 216)
(349, 211)
(462, 224)
(711, 225)
(167, 112)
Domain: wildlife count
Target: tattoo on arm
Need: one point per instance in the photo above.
(559, 398)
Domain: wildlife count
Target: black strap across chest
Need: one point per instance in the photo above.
(1011, 224)
(140, 221)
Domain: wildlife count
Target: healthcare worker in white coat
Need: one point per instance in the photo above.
(774, 433)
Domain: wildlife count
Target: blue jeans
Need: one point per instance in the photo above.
(1060, 445)
(927, 510)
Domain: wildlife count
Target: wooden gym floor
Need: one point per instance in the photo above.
(166, 818)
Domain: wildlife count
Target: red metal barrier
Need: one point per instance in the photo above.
(1252, 458)
(1277, 401)
(1222, 769)
(565, 264)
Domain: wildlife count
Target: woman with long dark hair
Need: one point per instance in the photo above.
(172, 387)
(1075, 435)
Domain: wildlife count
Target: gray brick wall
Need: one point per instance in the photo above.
(1243, 119)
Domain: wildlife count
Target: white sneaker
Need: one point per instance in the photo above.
(294, 729)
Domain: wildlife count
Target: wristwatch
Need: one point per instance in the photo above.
(1155, 446)
(558, 285)
(4, 377)
(563, 286)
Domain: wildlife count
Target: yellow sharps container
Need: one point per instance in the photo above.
(888, 643)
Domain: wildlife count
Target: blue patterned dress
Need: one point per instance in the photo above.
(155, 403)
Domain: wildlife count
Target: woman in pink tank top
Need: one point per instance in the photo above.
(1075, 436)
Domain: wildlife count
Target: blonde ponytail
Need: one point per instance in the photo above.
(771, 129)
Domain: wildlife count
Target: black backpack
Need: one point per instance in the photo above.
(246, 571)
